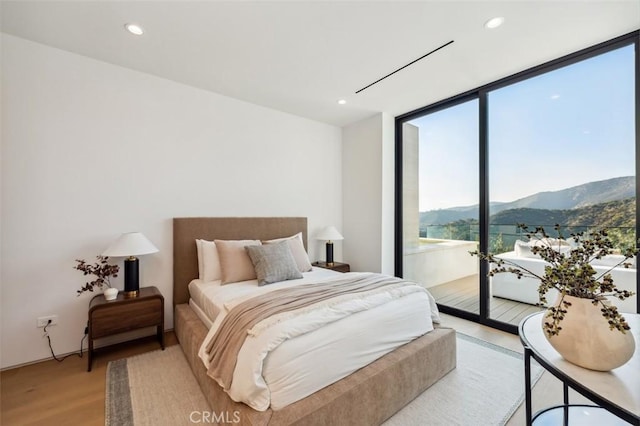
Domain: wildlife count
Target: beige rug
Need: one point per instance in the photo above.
(485, 389)
(158, 388)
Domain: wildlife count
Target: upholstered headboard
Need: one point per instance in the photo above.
(187, 229)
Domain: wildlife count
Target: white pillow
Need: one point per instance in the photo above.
(523, 249)
(297, 250)
(200, 263)
(550, 242)
(561, 246)
(208, 261)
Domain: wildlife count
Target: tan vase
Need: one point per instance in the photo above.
(587, 341)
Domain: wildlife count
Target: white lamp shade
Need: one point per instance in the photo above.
(330, 233)
(130, 244)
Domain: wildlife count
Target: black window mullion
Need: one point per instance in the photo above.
(637, 158)
(483, 146)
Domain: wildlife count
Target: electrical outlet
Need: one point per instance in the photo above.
(42, 321)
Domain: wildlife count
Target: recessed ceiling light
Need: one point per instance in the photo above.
(342, 101)
(494, 22)
(134, 29)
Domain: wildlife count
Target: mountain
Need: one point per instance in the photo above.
(579, 196)
(584, 195)
(612, 214)
(443, 216)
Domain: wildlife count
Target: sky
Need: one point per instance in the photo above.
(564, 128)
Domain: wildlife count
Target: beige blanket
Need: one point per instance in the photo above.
(222, 351)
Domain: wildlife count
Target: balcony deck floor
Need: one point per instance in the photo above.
(464, 294)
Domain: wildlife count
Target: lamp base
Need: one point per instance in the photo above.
(131, 283)
(130, 294)
(329, 253)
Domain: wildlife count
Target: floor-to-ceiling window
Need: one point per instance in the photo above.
(553, 145)
(440, 203)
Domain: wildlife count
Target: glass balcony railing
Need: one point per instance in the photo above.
(502, 237)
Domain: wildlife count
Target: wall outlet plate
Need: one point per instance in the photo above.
(42, 321)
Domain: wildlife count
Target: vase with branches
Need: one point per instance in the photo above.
(101, 270)
(570, 272)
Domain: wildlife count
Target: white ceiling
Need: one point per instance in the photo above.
(301, 57)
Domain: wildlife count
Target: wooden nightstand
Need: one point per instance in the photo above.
(336, 266)
(109, 317)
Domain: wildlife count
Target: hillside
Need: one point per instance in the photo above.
(581, 196)
(620, 213)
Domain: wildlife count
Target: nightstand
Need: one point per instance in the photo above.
(109, 317)
(336, 266)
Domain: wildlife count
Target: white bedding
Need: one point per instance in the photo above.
(200, 314)
(273, 371)
(211, 296)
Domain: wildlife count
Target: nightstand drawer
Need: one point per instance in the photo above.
(126, 317)
(109, 317)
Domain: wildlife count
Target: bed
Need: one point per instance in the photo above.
(368, 396)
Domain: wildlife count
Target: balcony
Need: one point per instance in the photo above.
(434, 262)
(440, 261)
(446, 268)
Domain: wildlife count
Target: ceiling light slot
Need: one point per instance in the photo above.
(405, 66)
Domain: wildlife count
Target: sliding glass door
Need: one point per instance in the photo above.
(440, 204)
(561, 151)
(553, 145)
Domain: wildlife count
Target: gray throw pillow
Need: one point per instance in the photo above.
(273, 263)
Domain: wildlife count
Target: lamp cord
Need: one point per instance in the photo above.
(79, 354)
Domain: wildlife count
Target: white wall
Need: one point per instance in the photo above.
(410, 187)
(368, 191)
(91, 150)
(388, 209)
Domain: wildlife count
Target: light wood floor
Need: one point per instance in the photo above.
(64, 393)
(548, 390)
(465, 294)
(52, 393)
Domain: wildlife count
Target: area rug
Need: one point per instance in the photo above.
(487, 386)
(484, 389)
(156, 388)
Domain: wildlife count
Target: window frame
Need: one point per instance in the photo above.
(480, 93)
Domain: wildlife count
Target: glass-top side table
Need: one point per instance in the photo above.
(616, 391)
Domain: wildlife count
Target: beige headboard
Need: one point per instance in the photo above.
(187, 229)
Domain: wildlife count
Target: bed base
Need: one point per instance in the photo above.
(367, 397)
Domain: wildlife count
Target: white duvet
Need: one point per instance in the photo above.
(210, 297)
(303, 352)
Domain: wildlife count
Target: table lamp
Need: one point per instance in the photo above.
(130, 245)
(329, 234)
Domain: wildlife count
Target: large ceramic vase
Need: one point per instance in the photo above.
(587, 341)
